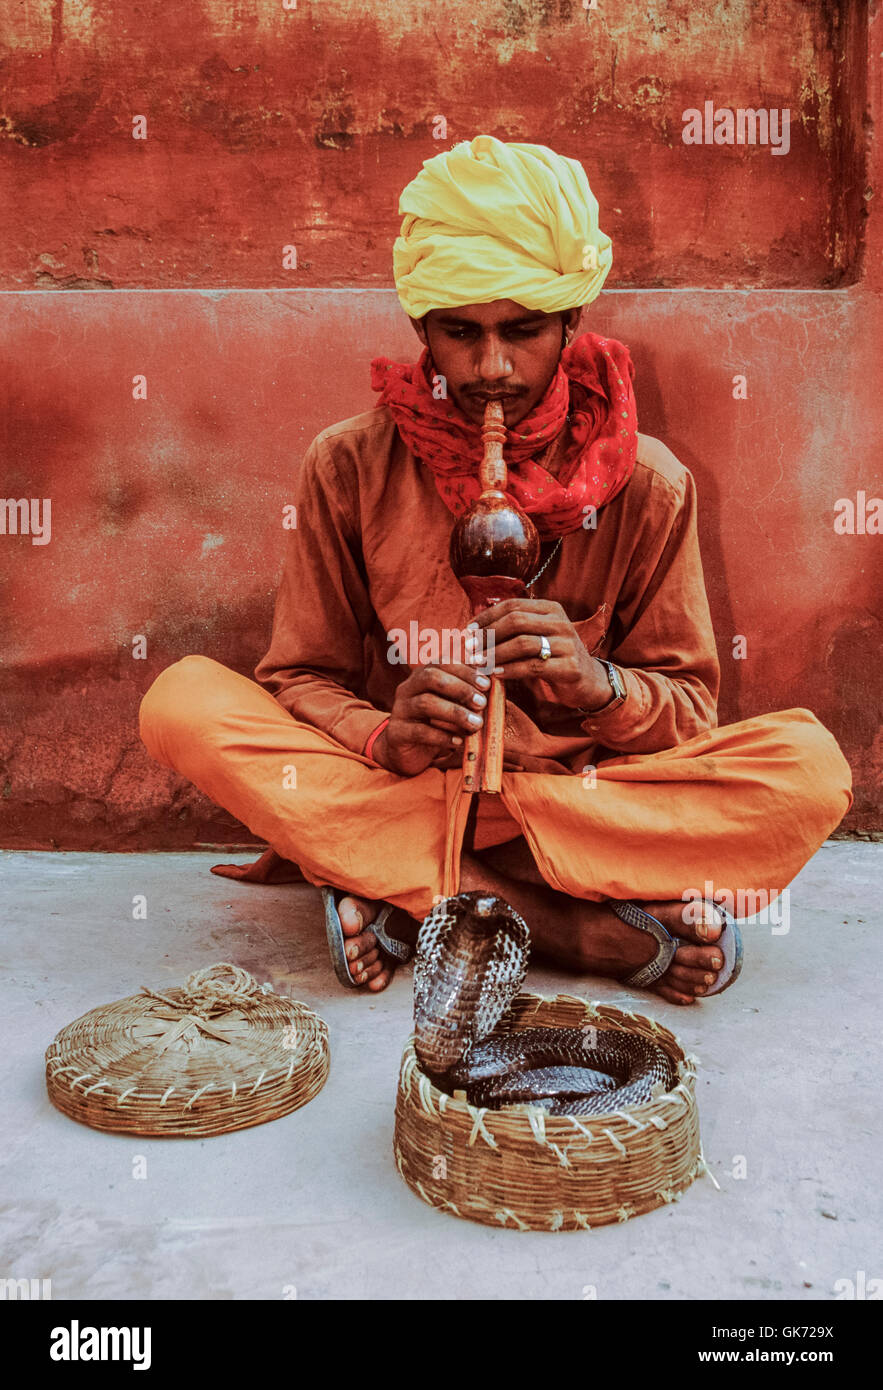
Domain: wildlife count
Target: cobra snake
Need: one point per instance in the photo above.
(472, 955)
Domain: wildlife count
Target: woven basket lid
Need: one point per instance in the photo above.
(217, 1053)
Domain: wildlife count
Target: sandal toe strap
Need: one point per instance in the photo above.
(667, 945)
(399, 950)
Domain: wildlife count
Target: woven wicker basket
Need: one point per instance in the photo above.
(216, 1054)
(525, 1168)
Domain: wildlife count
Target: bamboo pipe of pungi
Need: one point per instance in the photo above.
(494, 547)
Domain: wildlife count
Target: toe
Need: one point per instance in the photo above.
(701, 922)
(380, 980)
(674, 996)
(688, 971)
(352, 914)
(360, 945)
(689, 975)
(699, 957)
(693, 921)
(362, 972)
(372, 971)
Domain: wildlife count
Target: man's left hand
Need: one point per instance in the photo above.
(577, 679)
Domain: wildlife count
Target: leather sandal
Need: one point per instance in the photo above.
(729, 941)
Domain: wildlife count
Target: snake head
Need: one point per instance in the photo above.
(484, 908)
(475, 914)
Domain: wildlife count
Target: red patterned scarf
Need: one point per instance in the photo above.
(591, 392)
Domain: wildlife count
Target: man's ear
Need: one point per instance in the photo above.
(420, 330)
(570, 319)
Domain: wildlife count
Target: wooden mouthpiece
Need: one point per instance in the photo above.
(494, 549)
(493, 473)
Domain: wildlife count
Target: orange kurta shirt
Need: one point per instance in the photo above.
(369, 555)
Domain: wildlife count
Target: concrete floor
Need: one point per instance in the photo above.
(789, 1081)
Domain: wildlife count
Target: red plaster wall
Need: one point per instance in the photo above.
(166, 512)
(268, 127)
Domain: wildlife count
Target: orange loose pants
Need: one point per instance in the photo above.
(744, 806)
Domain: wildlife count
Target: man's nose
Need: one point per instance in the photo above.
(494, 361)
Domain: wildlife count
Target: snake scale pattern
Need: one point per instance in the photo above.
(472, 955)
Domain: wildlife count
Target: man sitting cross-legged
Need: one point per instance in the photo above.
(620, 796)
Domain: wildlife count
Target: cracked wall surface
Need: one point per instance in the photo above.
(268, 128)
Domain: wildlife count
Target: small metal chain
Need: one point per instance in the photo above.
(548, 562)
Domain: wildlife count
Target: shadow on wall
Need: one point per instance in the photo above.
(652, 408)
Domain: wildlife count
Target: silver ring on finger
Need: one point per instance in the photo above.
(545, 649)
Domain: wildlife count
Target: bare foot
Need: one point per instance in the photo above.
(367, 965)
(695, 968)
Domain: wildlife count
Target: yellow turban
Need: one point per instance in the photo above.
(488, 220)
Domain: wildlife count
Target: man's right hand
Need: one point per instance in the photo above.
(435, 708)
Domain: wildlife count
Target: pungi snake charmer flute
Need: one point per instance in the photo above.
(494, 547)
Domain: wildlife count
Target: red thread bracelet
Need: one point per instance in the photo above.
(373, 737)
